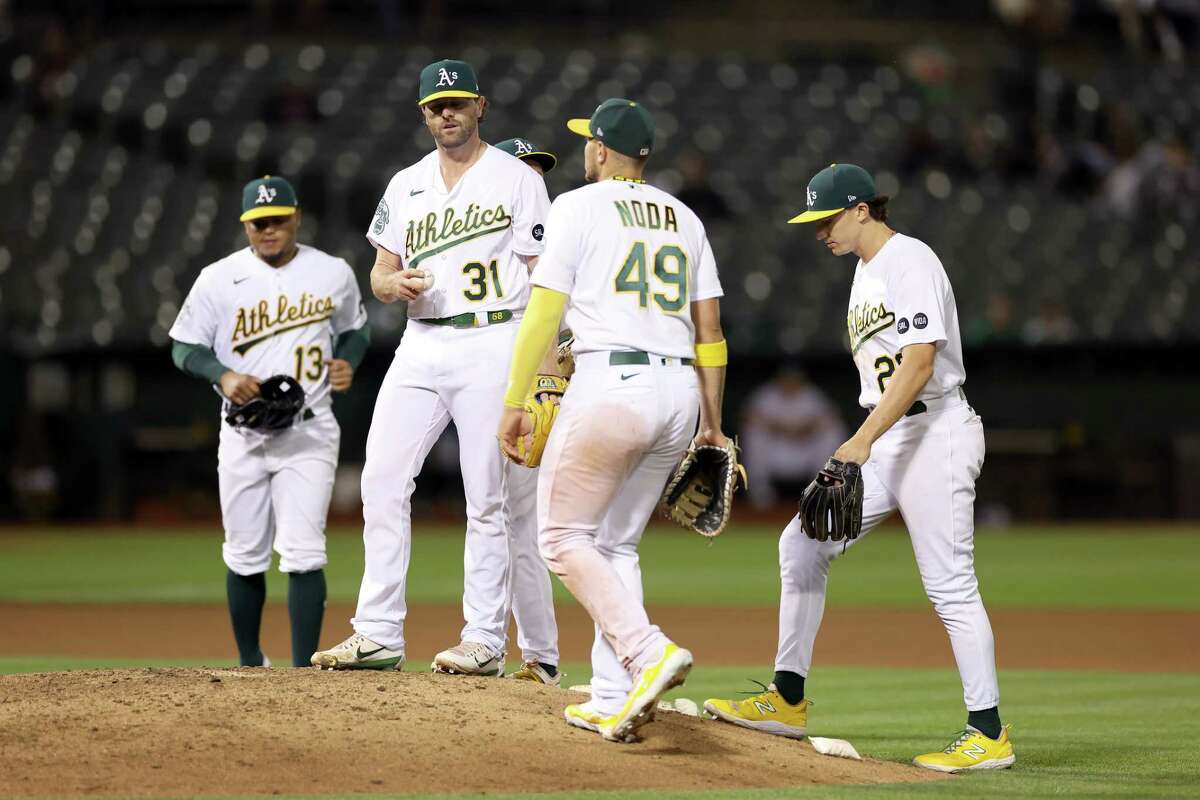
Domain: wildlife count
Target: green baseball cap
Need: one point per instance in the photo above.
(836, 188)
(268, 196)
(528, 151)
(621, 124)
(447, 78)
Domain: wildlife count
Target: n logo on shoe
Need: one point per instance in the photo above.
(974, 751)
(764, 707)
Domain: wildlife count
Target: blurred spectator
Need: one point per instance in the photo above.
(1052, 325)
(292, 103)
(696, 192)
(996, 326)
(789, 429)
(1172, 181)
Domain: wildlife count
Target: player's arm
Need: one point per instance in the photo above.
(201, 362)
(915, 370)
(711, 359)
(348, 352)
(390, 281)
(536, 336)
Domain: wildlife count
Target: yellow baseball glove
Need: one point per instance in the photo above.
(542, 408)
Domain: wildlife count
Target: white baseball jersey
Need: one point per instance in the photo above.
(262, 320)
(469, 237)
(632, 259)
(902, 297)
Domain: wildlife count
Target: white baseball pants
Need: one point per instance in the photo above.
(621, 431)
(275, 492)
(443, 374)
(926, 467)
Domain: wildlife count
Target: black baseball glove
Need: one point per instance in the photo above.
(831, 506)
(699, 496)
(280, 399)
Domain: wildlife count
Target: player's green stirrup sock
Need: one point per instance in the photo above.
(306, 608)
(246, 594)
(986, 721)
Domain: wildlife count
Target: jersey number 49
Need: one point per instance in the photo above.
(632, 277)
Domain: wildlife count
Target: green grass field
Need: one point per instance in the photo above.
(1077, 734)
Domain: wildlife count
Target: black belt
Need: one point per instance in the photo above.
(469, 320)
(630, 357)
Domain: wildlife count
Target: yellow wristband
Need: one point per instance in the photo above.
(712, 354)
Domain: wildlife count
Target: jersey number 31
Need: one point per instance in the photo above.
(632, 277)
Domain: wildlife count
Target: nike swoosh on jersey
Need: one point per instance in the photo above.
(236, 281)
(631, 375)
(415, 192)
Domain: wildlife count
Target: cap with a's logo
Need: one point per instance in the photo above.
(447, 78)
(621, 124)
(528, 151)
(834, 189)
(268, 196)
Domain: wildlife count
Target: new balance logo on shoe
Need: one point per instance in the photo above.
(764, 707)
(974, 751)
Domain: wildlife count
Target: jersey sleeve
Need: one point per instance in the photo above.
(385, 229)
(531, 206)
(197, 319)
(350, 313)
(919, 288)
(708, 284)
(557, 265)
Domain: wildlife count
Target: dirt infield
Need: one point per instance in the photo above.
(181, 732)
(1151, 641)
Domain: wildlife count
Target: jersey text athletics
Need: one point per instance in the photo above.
(256, 323)
(866, 320)
(426, 237)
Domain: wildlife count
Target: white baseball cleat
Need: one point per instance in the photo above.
(585, 716)
(358, 652)
(469, 658)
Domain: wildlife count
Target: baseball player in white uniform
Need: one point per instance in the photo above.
(456, 235)
(539, 160)
(275, 307)
(921, 449)
(642, 283)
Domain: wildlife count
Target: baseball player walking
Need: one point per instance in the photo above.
(275, 307)
(456, 235)
(921, 449)
(642, 283)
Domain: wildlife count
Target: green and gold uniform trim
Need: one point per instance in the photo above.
(417, 259)
(268, 211)
(470, 320)
(245, 347)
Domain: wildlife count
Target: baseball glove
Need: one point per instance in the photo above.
(831, 506)
(699, 496)
(280, 399)
(566, 359)
(543, 415)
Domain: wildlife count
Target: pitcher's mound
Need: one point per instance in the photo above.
(256, 731)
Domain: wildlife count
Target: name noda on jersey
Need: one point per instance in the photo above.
(470, 237)
(632, 259)
(902, 297)
(263, 321)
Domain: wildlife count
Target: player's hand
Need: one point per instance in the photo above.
(710, 436)
(855, 450)
(239, 388)
(407, 284)
(515, 424)
(341, 374)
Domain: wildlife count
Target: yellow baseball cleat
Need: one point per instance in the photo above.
(584, 716)
(656, 680)
(971, 750)
(767, 712)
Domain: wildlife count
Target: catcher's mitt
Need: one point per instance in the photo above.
(831, 506)
(699, 496)
(280, 398)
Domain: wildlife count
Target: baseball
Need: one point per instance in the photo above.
(426, 280)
